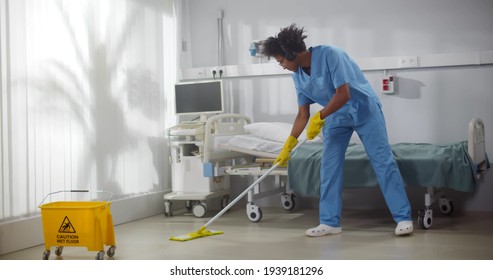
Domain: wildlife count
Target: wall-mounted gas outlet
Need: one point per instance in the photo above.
(408, 61)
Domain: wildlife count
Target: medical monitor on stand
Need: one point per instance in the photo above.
(201, 98)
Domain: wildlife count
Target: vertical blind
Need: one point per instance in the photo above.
(84, 98)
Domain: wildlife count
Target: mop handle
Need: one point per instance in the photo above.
(248, 189)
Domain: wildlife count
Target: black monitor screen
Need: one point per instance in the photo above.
(204, 97)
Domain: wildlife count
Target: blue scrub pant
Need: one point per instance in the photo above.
(373, 135)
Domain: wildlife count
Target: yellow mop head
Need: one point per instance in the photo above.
(196, 234)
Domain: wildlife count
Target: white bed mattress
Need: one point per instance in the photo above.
(253, 145)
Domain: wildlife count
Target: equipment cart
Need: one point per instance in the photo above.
(77, 223)
(198, 165)
(195, 202)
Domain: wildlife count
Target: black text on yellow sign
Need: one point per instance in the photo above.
(67, 233)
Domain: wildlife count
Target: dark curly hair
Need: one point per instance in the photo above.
(289, 40)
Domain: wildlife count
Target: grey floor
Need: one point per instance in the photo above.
(367, 234)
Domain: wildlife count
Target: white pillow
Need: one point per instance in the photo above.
(273, 131)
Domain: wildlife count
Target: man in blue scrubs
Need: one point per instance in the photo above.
(328, 76)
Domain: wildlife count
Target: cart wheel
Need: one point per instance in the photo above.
(199, 210)
(425, 219)
(254, 213)
(224, 201)
(287, 201)
(167, 209)
(59, 250)
(111, 251)
(446, 206)
(100, 255)
(46, 255)
(189, 205)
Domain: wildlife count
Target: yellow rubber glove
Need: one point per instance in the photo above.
(314, 127)
(283, 156)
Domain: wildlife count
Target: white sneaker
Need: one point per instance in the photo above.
(404, 227)
(322, 230)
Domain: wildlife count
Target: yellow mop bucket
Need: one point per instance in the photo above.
(78, 223)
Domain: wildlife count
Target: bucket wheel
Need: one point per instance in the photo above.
(111, 251)
(46, 255)
(58, 251)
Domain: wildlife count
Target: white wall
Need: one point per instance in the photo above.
(431, 105)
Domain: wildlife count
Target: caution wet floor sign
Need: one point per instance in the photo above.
(66, 226)
(67, 233)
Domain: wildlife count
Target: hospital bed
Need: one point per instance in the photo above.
(436, 167)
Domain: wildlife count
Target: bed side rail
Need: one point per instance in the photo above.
(476, 144)
(222, 125)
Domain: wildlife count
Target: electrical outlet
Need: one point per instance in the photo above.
(408, 61)
(214, 73)
(221, 72)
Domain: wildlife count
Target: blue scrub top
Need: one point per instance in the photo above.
(331, 68)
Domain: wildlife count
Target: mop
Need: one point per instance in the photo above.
(203, 232)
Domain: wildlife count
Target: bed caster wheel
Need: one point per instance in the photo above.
(254, 213)
(58, 251)
(46, 255)
(100, 255)
(425, 219)
(199, 210)
(287, 201)
(111, 251)
(446, 206)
